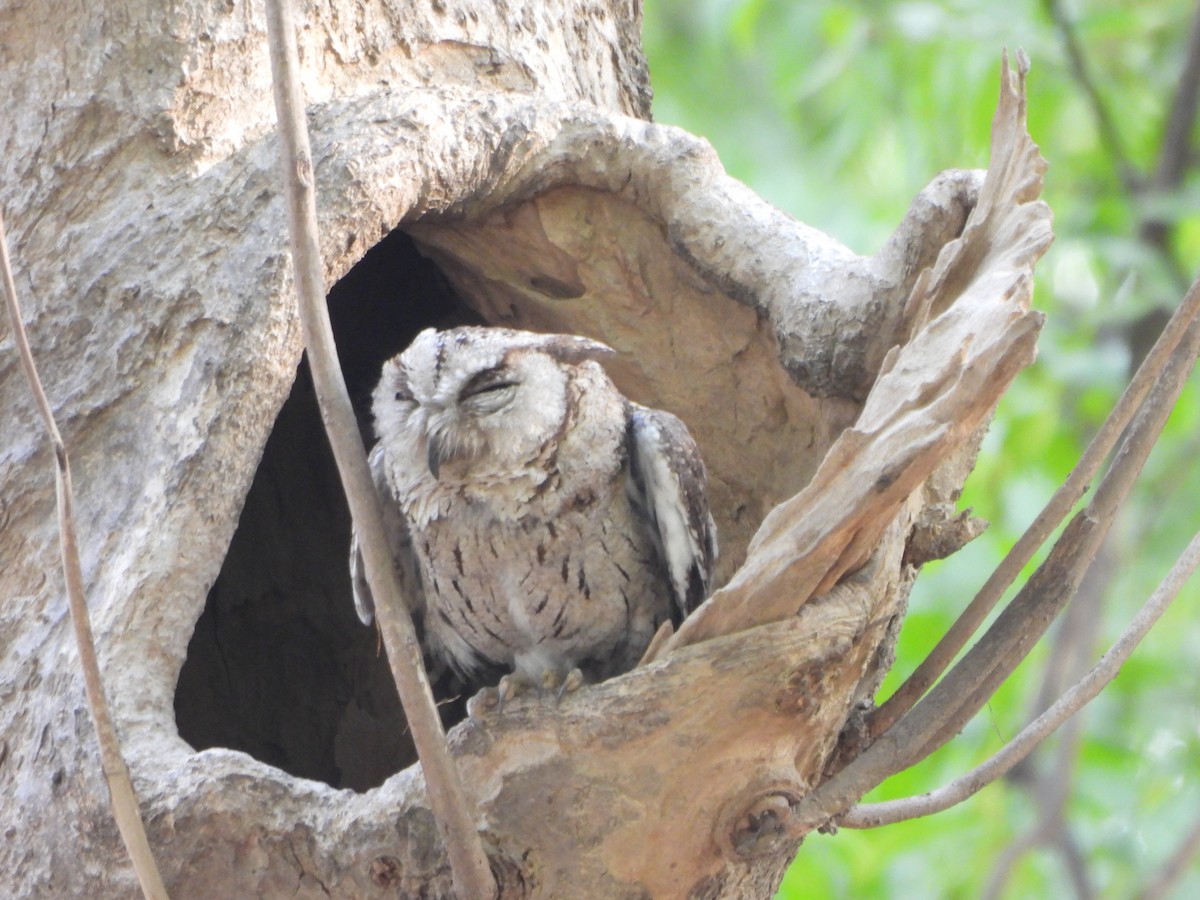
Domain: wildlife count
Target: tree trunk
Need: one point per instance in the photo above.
(474, 162)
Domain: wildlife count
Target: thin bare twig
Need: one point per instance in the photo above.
(873, 815)
(1064, 841)
(969, 685)
(1049, 787)
(120, 786)
(1110, 136)
(1006, 860)
(453, 811)
(1047, 833)
(1174, 868)
(1078, 631)
(1174, 154)
(1064, 499)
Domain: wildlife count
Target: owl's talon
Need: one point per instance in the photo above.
(510, 686)
(491, 700)
(486, 701)
(571, 682)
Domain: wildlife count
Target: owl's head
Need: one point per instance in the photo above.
(463, 393)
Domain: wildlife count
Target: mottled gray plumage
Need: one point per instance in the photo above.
(550, 523)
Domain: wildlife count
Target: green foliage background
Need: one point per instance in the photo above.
(840, 113)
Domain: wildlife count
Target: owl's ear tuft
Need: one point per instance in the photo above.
(569, 348)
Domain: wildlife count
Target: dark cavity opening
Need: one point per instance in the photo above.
(279, 665)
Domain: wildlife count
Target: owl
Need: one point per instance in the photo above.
(551, 524)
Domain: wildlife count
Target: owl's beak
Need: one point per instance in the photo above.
(437, 453)
(434, 455)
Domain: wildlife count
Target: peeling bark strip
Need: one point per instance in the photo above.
(140, 182)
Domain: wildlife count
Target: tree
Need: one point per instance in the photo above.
(526, 170)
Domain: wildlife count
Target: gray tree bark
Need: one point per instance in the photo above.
(511, 144)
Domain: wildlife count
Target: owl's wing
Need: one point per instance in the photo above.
(402, 551)
(667, 484)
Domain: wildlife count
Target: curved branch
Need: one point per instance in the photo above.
(1005, 862)
(1175, 867)
(124, 799)
(1176, 150)
(873, 815)
(1110, 136)
(1177, 137)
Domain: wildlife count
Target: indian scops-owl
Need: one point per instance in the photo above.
(552, 525)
